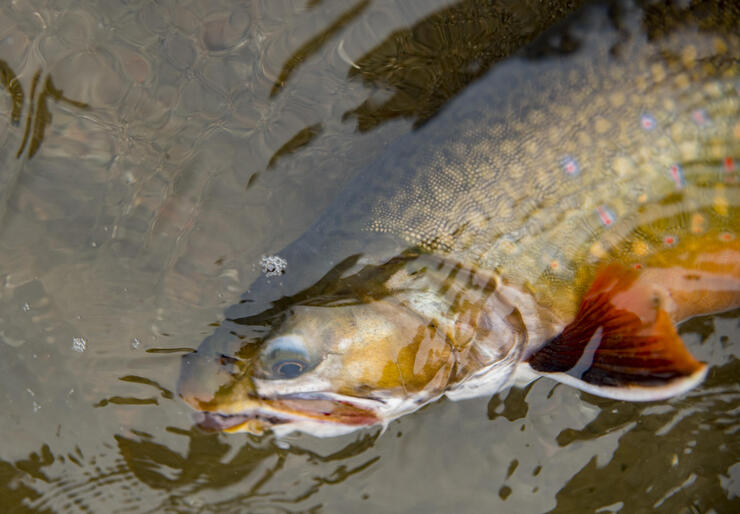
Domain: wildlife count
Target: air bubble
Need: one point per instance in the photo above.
(273, 265)
(79, 344)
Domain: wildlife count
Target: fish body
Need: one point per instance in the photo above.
(558, 218)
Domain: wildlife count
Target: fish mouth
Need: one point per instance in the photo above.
(253, 423)
(314, 415)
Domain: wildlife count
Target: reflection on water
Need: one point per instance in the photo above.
(15, 90)
(695, 438)
(132, 227)
(415, 64)
(245, 472)
(42, 117)
(316, 43)
(39, 118)
(675, 453)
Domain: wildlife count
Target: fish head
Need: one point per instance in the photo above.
(324, 370)
(331, 364)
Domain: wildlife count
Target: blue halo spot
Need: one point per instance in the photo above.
(570, 166)
(647, 122)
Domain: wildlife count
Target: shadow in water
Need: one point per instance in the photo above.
(45, 482)
(427, 64)
(313, 45)
(686, 446)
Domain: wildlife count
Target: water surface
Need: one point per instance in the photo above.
(178, 143)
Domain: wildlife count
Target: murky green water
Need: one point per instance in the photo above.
(214, 133)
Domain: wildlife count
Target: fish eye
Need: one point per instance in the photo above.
(288, 368)
(285, 357)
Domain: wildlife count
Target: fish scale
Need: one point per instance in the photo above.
(599, 185)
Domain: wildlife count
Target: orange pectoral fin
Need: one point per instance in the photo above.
(622, 344)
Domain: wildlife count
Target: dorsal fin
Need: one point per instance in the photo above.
(622, 344)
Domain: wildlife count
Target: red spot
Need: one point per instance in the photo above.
(729, 164)
(637, 265)
(570, 166)
(677, 175)
(726, 237)
(647, 122)
(606, 216)
(669, 240)
(700, 116)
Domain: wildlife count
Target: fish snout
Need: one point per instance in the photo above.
(202, 375)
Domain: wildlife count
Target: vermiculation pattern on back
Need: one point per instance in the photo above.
(626, 138)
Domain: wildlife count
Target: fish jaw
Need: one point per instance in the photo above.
(320, 415)
(258, 406)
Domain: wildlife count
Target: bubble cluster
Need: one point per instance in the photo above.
(79, 344)
(273, 265)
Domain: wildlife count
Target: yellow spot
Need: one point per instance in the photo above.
(640, 247)
(682, 80)
(720, 205)
(720, 201)
(597, 250)
(697, 223)
(602, 125)
(617, 99)
(713, 89)
(736, 130)
(507, 147)
(688, 56)
(658, 72)
(642, 198)
(689, 150)
(515, 170)
(719, 45)
(622, 165)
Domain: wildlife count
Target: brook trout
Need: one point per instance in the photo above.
(557, 219)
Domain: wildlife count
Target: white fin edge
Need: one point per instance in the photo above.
(628, 393)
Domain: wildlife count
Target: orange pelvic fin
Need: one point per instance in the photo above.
(622, 343)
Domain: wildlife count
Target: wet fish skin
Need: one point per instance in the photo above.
(532, 180)
(545, 195)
